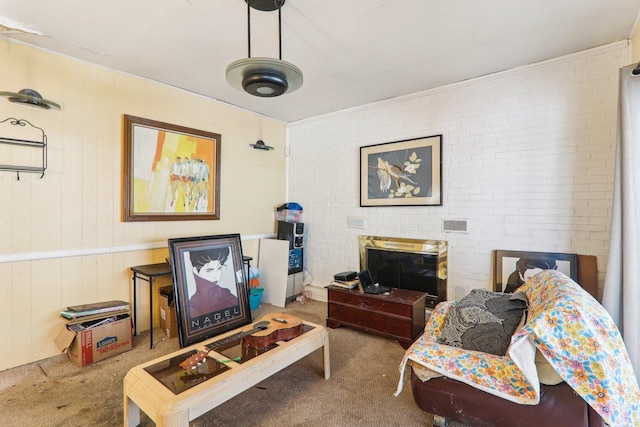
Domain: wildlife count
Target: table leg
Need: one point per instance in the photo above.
(325, 356)
(151, 312)
(135, 316)
(178, 419)
(131, 413)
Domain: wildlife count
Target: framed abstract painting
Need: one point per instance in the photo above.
(171, 172)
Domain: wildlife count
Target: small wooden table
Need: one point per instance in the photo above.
(400, 315)
(147, 386)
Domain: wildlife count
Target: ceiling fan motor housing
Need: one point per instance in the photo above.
(264, 83)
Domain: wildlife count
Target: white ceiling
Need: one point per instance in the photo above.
(352, 52)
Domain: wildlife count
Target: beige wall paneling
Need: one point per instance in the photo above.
(71, 289)
(45, 294)
(7, 318)
(73, 215)
(21, 308)
(106, 286)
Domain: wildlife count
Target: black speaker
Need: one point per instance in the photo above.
(345, 276)
(291, 231)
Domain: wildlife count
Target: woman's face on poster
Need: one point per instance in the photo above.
(211, 271)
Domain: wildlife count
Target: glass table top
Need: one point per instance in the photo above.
(177, 379)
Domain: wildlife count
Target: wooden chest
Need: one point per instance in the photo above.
(399, 315)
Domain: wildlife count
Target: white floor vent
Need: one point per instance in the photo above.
(455, 225)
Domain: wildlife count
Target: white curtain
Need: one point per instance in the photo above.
(621, 296)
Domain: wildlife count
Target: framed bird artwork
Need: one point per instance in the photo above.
(402, 173)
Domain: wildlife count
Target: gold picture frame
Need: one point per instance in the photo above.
(171, 172)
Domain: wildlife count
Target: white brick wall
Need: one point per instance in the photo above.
(528, 158)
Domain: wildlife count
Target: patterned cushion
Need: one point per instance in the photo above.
(546, 372)
(484, 321)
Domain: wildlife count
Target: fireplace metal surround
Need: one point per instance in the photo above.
(404, 263)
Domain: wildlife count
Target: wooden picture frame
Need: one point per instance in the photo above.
(512, 268)
(171, 172)
(402, 173)
(210, 286)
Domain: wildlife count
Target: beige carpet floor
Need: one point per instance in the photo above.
(54, 392)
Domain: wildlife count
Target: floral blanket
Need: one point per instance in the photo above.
(573, 332)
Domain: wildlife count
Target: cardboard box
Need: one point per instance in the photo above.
(93, 338)
(168, 319)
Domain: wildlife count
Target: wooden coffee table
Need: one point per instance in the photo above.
(171, 396)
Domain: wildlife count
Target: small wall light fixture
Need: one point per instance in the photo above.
(31, 98)
(260, 145)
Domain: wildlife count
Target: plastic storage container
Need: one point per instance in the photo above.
(289, 212)
(255, 296)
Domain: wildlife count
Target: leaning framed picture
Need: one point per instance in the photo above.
(402, 173)
(171, 172)
(209, 285)
(513, 268)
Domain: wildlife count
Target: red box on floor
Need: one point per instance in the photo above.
(91, 339)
